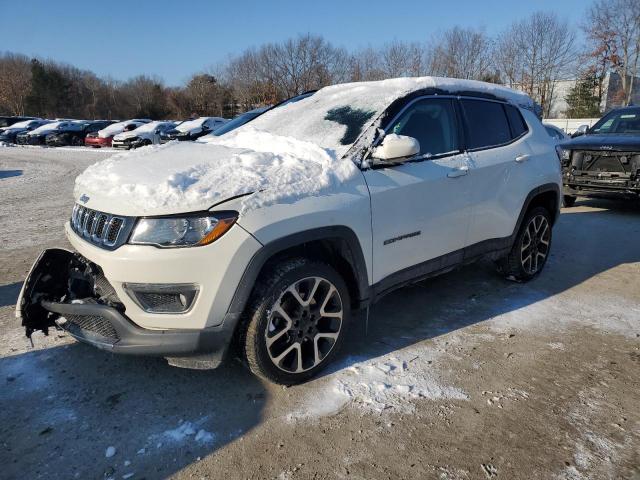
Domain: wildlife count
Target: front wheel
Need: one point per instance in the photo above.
(569, 200)
(296, 322)
(531, 247)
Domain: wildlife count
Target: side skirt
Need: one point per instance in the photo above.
(493, 248)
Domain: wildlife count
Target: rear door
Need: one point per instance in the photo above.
(499, 166)
(420, 209)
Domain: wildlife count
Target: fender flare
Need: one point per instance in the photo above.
(547, 187)
(261, 257)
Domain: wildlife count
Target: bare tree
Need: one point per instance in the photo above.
(15, 82)
(535, 53)
(613, 30)
(462, 53)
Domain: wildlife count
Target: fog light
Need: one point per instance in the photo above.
(164, 297)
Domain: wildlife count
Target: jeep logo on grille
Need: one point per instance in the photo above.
(84, 199)
(606, 147)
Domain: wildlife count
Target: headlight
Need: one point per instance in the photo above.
(182, 231)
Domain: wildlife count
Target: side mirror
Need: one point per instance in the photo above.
(395, 148)
(582, 129)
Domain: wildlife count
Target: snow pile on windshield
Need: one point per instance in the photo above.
(113, 129)
(196, 124)
(20, 125)
(334, 116)
(194, 176)
(191, 124)
(149, 127)
(48, 127)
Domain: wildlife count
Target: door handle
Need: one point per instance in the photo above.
(522, 158)
(458, 172)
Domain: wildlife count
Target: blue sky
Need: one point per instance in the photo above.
(173, 39)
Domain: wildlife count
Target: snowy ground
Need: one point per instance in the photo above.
(465, 376)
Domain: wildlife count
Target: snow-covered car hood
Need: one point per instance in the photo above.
(186, 177)
(132, 133)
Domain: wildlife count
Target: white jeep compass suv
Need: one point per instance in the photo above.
(264, 241)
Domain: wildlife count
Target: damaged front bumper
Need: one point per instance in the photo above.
(66, 291)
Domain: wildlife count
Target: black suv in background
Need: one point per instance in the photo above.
(74, 133)
(605, 159)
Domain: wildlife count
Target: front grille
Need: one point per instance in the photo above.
(94, 324)
(102, 229)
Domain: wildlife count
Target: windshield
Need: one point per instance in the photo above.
(332, 118)
(625, 121)
(237, 122)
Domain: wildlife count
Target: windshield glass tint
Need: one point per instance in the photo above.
(622, 121)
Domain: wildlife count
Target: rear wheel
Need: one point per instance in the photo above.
(531, 247)
(569, 200)
(296, 321)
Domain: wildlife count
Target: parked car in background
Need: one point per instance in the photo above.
(147, 134)
(9, 134)
(192, 129)
(74, 135)
(556, 133)
(235, 123)
(104, 137)
(38, 136)
(8, 121)
(605, 159)
(267, 241)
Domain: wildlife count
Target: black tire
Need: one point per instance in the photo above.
(530, 246)
(272, 295)
(569, 200)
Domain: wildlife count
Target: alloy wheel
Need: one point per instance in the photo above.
(535, 244)
(304, 325)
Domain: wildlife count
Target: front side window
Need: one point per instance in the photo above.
(487, 124)
(433, 123)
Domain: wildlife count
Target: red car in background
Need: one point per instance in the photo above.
(104, 137)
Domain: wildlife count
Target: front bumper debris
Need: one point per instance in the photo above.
(64, 290)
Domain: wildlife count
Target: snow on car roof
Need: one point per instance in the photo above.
(49, 127)
(334, 116)
(116, 128)
(25, 124)
(196, 123)
(151, 126)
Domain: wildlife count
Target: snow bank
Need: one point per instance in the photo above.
(192, 176)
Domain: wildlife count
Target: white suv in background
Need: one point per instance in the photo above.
(264, 240)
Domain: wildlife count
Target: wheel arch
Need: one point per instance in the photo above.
(547, 196)
(336, 245)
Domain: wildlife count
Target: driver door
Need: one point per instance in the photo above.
(421, 209)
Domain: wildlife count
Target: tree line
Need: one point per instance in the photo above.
(532, 54)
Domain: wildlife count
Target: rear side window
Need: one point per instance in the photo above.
(487, 124)
(518, 125)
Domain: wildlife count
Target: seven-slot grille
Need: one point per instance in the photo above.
(99, 228)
